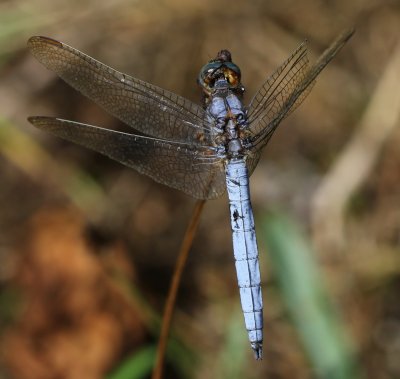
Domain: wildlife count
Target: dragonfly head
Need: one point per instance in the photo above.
(220, 69)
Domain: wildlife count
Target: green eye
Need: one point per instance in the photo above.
(231, 66)
(232, 77)
(214, 69)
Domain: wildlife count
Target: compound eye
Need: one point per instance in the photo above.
(232, 77)
(232, 74)
(207, 74)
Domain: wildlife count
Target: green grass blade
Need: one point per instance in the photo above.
(313, 314)
(137, 366)
(236, 349)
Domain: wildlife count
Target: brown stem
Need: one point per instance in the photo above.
(176, 279)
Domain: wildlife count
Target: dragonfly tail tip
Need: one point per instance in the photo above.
(257, 348)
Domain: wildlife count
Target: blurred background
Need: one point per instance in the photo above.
(88, 247)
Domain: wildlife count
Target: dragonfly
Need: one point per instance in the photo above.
(203, 150)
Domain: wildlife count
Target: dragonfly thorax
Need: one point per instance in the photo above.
(225, 110)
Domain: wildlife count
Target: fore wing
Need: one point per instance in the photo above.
(143, 106)
(271, 99)
(286, 89)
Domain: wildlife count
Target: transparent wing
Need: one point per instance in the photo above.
(145, 107)
(285, 93)
(197, 171)
(262, 138)
(252, 160)
(270, 100)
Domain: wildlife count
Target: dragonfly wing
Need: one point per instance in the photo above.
(252, 160)
(286, 89)
(196, 171)
(270, 100)
(262, 138)
(143, 106)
